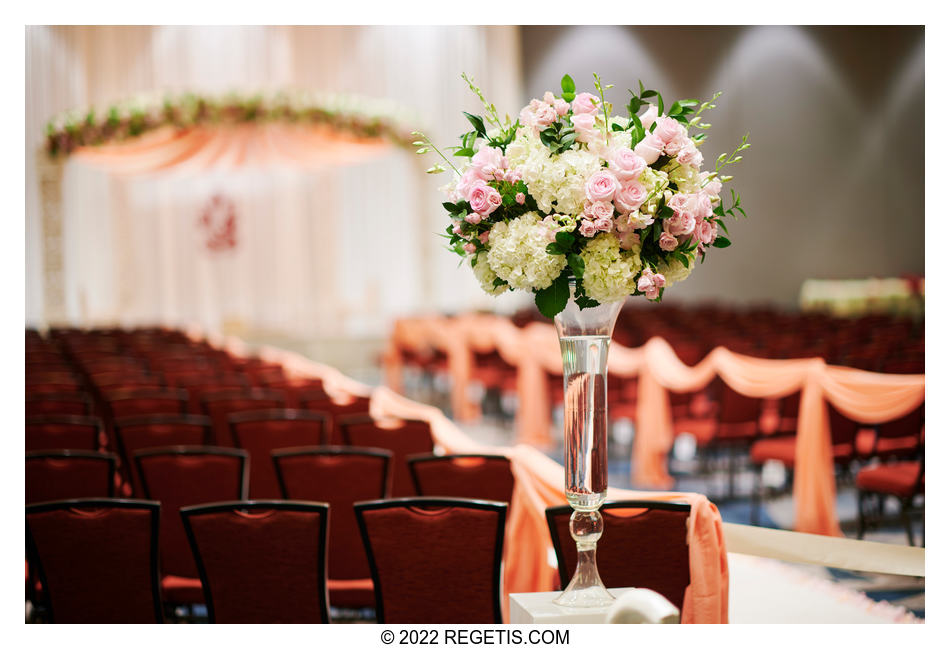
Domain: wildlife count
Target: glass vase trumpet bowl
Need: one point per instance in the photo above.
(584, 336)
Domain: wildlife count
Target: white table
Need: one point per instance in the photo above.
(539, 608)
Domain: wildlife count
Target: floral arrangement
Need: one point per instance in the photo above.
(357, 115)
(620, 203)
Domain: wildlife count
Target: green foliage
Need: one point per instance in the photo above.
(553, 299)
(567, 88)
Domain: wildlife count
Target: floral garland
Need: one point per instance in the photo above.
(360, 116)
(618, 203)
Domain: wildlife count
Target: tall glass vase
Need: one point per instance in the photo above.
(585, 338)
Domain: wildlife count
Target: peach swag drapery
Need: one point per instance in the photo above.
(538, 484)
(864, 396)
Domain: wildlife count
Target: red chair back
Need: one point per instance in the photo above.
(482, 477)
(451, 575)
(155, 431)
(402, 437)
(645, 547)
(63, 475)
(735, 408)
(340, 476)
(97, 559)
(63, 432)
(261, 561)
(337, 409)
(181, 476)
(260, 432)
(138, 403)
(224, 403)
(59, 403)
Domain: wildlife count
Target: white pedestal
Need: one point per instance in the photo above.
(539, 608)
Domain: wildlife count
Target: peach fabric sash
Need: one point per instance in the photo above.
(539, 483)
(865, 396)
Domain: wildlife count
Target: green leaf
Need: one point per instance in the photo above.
(465, 153)
(499, 282)
(450, 207)
(567, 85)
(645, 94)
(476, 122)
(576, 263)
(721, 242)
(565, 240)
(664, 212)
(553, 299)
(553, 249)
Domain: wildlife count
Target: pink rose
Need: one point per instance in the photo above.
(528, 114)
(630, 197)
(667, 129)
(467, 181)
(552, 227)
(599, 210)
(603, 225)
(561, 107)
(457, 229)
(649, 148)
(628, 238)
(584, 127)
(545, 116)
(668, 242)
(587, 228)
(680, 223)
(650, 283)
(483, 237)
(705, 232)
(712, 187)
(486, 161)
(700, 205)
(469, 248)
(519, 198)
(474, 218)
(626, 164)
(690, 155)
(648, 117)
(680, 142)
(484, 199)
(548, 98)
(601, 186)
(512, 176)
(584, 104)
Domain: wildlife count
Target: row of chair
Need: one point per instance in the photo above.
(432, 560)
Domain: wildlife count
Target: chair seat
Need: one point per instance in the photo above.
(783, 450)
(899, 479)
(182, 590)
(702, 429)
(351, 593)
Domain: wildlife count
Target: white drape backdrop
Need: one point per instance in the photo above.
(129, 246)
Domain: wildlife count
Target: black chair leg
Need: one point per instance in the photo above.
(861, 522)
(905, 518)
(756, 493)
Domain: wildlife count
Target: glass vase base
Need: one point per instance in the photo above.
(590, 597)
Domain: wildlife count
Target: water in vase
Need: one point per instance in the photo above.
(585, 420)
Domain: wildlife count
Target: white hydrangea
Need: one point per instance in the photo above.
(674, 271)
(553, 179)
(688, 179)
(486, 276)
(517, 253)
(610, 274)
(651, 179)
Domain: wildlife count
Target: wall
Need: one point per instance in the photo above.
(833, 183)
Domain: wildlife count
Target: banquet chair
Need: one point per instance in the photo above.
(221, 404)
(261, 561)
(69, 474)
(49, 432)
(403, 437)
(645, 547)
(902, 479)
(152, 431)
(180, 476)
(339, 476)
(261, 431)
(200, 384)
(336, 407)
(58, 403)
(97, 560)
(47, 382)
(434, 560)
(483, 477)
(737, 426)
(898, 438)
(781, 448)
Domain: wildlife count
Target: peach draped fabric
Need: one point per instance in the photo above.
(864, 396)
(539, 483)
(231, 146)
